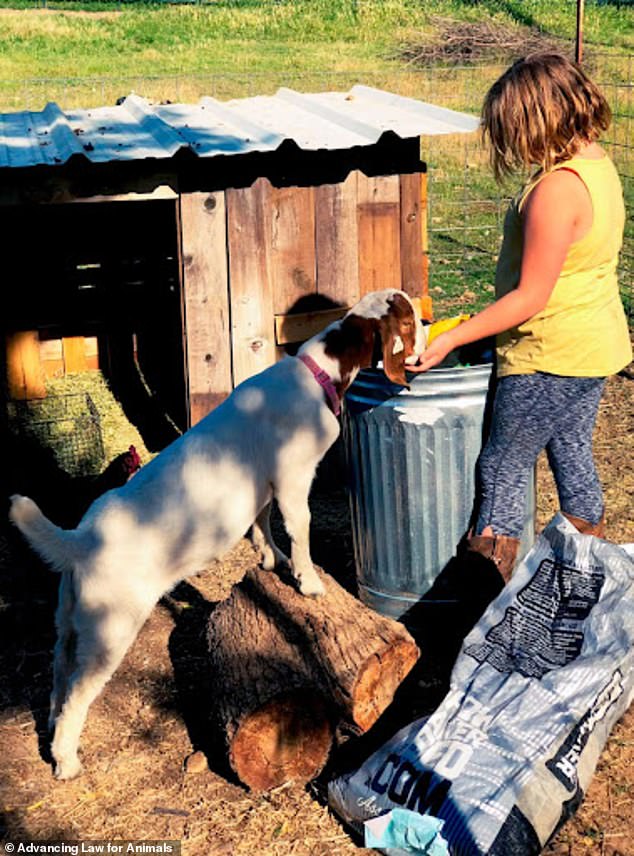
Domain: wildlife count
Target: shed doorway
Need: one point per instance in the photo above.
(97, 286)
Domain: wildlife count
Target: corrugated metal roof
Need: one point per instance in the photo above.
(136, 129)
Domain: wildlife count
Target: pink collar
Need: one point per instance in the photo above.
(324, 380)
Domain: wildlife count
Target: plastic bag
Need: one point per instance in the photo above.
(535, 691)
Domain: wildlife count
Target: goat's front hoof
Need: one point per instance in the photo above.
(67, 768)
(311, 586)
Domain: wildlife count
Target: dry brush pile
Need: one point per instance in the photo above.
(463, 42)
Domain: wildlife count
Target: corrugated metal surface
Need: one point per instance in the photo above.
(136, 129)
(412, 456)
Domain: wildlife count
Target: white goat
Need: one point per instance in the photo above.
(196, 499)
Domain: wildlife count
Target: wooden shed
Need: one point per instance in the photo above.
(198, 242)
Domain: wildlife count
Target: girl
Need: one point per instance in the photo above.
(560, 325)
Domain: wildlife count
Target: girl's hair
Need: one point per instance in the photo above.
(540, 112)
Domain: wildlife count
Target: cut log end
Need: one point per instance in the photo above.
(379, 679)
(287, 739)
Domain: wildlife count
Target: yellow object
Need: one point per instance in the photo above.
(582, 331)
(443, 326)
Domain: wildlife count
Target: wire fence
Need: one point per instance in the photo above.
(465, 206)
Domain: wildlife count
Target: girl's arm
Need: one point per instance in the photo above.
(551, 218)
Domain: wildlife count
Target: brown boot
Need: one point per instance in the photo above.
(500, 549)
(585, 527)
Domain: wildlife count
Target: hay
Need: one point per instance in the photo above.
(116, 431)
(68, 425)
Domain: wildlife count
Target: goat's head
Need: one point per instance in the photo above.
(389, 314)
(402, 337)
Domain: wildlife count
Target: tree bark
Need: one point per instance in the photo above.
(276, 721)
(288, 668)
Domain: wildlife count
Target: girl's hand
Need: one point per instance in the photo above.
(435, 353)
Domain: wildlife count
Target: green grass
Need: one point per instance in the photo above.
(258, 35)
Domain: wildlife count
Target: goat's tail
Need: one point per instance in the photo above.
(56, 546)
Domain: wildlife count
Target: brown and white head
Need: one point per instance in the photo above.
(349, 344)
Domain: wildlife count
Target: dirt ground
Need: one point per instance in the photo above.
(154, 713)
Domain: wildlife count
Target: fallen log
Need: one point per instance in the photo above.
(289, 667)
(358, 656)
(276, 722)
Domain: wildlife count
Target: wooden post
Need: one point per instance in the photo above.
(25, 378)
(205, 301)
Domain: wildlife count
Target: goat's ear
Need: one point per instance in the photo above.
(398, 336)
(394, 354)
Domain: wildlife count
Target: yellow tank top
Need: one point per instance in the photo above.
(582, 331)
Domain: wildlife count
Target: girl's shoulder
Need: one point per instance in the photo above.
(560, 196)
(566, 179)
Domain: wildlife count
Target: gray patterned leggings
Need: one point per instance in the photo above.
(530, 413)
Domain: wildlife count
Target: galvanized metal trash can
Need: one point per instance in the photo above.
(411, 462)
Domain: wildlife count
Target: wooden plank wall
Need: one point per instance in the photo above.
(338, 241)
(205, 308)
(336, 238)
(293, 256)
(70, 354)
(251, 286)
(378, 214)
(283, 245)
(31, 359)
(251, 262)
